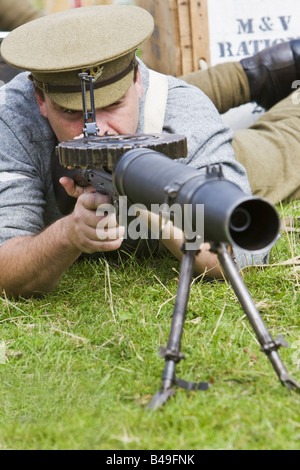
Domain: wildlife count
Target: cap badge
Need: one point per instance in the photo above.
(94, 72)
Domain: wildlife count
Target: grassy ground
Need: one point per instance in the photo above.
(80, 364)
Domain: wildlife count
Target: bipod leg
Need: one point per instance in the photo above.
(268, 345)
(172, 352)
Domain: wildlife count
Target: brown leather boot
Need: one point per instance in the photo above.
(272, 71)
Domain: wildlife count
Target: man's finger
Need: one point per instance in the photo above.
(73, 189)
(70, 187)
(94, 200)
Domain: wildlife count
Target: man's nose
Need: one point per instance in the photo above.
(103, 125)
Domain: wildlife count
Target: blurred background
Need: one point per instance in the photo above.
(51, 6)
(190, 35)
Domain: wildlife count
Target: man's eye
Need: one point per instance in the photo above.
(71, 112)
(114, 105)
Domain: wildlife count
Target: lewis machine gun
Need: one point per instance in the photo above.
(143, 168)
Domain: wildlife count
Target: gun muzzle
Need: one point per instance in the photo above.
(148, 177)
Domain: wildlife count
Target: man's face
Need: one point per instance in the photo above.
(117, 119)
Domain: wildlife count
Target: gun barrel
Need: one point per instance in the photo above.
(148, 177)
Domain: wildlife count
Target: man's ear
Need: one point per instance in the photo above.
(41, 103)
(139, 83)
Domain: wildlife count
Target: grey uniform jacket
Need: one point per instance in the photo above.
(27, 201)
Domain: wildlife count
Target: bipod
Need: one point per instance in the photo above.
(172, 352)
(268, 345)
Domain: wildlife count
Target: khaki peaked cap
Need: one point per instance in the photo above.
(99, 39)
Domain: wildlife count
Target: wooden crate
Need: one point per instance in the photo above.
(215, 30)
(179, 38)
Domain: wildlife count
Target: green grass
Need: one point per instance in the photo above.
(82, 362)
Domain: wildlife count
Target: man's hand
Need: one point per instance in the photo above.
(86, 230)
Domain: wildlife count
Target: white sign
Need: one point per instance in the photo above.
(241, 28)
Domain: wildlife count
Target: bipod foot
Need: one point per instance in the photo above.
(191, 385)
(160, 398)
(290, 383)
(164, 394)
(270, 348)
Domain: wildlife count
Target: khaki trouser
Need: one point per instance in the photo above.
(270, 148)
